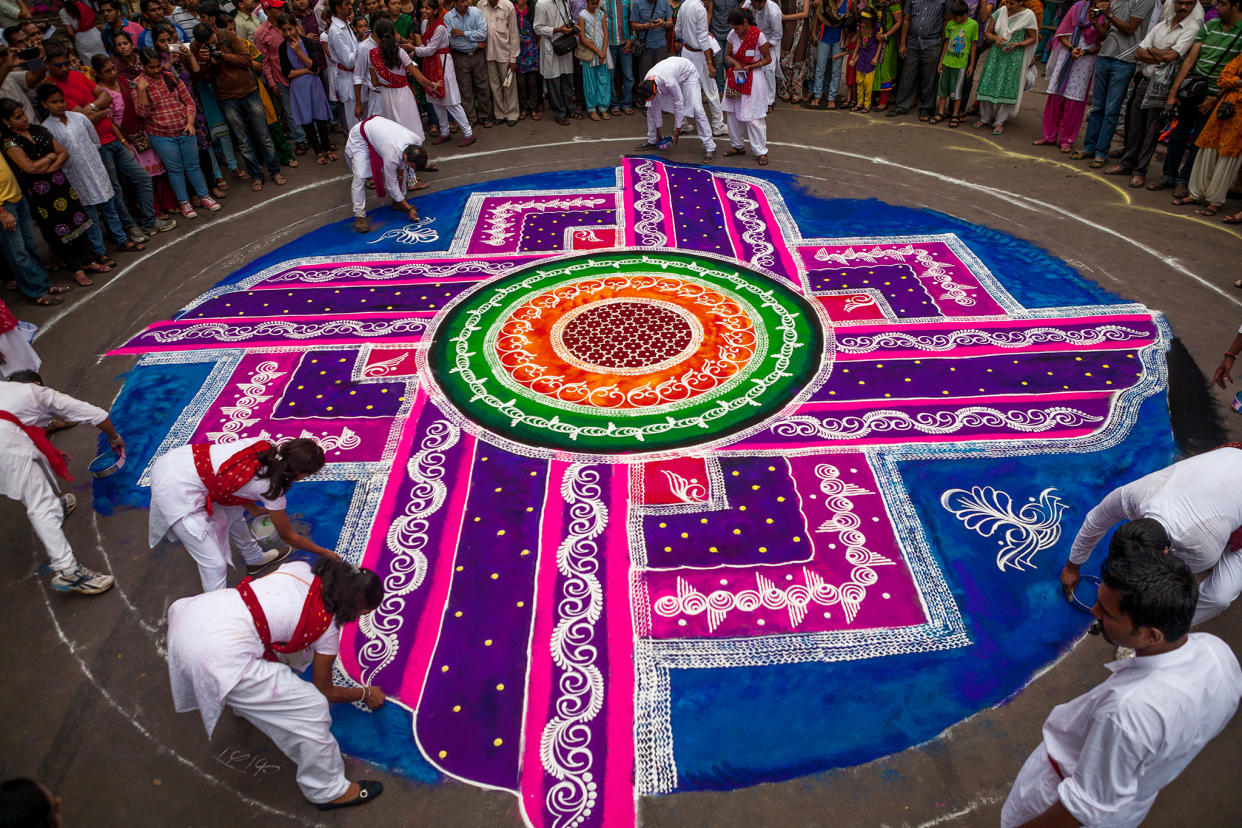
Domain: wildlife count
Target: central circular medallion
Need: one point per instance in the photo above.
(624, 336)
(625, 352)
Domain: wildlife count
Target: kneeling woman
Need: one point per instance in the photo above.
(198, 491)
(222, 650)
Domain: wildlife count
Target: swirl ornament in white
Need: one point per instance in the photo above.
(647, 205)
(687, 491)
(406, 538)
(419, 232)
(762, 251)
(931, 422)
(383, 367)
(565, 746)
(497, 223)
(863, 300)
(281, 328)
(427, 269)
(240, 415)
(933, 269)
(1032, 528)
(795, 598)
(971, 337)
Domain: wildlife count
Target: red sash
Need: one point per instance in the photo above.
(433, 65)
(377, 163)
(7, 320)
(388, 78)
(55, 457)
(747, 46)
(312, 623)
(234, 473)
(1235, 539)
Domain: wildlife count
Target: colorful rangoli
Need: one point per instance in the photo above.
(665, 494)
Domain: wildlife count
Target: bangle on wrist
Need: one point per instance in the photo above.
(1231, 356)
(366, 694)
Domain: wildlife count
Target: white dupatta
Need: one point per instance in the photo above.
(1004, 28)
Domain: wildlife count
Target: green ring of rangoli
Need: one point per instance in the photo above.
(462, 357)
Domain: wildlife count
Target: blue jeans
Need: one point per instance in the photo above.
(118, 160)
(248, 123)
(720, 62)
(286, 101)
(624, 63)
(107, 211)
(1112, 78)
(825, 54)
(180, 157)
(21, 251)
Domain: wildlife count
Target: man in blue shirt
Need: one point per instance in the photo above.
(650, 21)
(468, 40)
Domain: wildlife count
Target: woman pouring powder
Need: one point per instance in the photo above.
(198, 491)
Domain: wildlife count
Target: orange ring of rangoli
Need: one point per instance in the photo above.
(528, 342)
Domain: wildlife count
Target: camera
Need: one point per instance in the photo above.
(213, 51)
(1225, 111)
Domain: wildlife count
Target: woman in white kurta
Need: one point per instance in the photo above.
(396, 97)
(205, 522)
(438, 66)
(746, 110)
(217, 656)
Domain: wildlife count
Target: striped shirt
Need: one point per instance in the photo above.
(927, 20)
(1217, 46)
(618, 14)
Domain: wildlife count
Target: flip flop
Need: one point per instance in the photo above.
(47, 300)
(1158, 185)
(763, 160)
(1234, 219)
(731, 152)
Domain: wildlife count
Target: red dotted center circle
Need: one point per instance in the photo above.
(626, 335)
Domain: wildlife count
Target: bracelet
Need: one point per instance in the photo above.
(366, 694)
(1231, 356)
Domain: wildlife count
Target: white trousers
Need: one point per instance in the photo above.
(771, 71)
(43, 508)
(1212, 176)
(360, 166)
(711, 92)
(756, 131)
(1033, 791)
(690, 92)
(295, 716)
(994, 113)
(212, 552)
(1223, 583)
(459, 115)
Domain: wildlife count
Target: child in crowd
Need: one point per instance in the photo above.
(957, 61)
(865, 57)
(849, 46)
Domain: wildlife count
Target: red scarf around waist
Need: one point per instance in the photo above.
(377, 163)
(747, 46)
(1235, 539)
(312, 623)
(387, 77)
(55, 457)
(235, 472)
(433, 65)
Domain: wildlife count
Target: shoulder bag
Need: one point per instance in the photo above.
(1194, 89)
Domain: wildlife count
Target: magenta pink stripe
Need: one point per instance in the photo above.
(872, 439)
(539, 677)
(774, 234)
(994, 350)
(421, 280)
(920, 327)
(627, 204)
(261, 342)
(350, 642)
(730, 221)
(666, 201)
(427, 634)
(618, 792)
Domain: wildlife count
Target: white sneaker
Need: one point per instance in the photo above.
(83, 580)
(270, 558)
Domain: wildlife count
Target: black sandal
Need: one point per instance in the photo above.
(131, 246)
(368, 789)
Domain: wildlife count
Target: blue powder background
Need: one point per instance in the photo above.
(814, 716)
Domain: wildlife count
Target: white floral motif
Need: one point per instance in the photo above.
(1020, 338)
(345, 440)
(240, 332)
(762, 251)
(931, 422)
(383, 367)
(499, 219)
(1034, 527)
(418, 270)
(647, 205)
(406, 538)
(796, 598)
(689, 491)
(565, 747)
(241, 413)
(863, 300)
(416, 233)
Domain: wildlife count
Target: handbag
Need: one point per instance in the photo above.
(1194, 89)
(565, 42)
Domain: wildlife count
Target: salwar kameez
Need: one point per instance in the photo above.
(1069, 78)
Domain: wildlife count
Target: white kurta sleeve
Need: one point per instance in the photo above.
(679, 101)
(54, 403)
(1105, 783)
(1113, 509)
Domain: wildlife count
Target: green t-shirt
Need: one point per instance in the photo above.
(959, 36)
(1217, 46)
(404, 25)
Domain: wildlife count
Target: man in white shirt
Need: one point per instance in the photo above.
(503, 45)
(342, 46)
(1196, 502)
(699, 47)
(768, 18)
(27, 462)
(1106, 754)
(673, 85)
(1161, 50)
(389, 153)
(366, 97)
